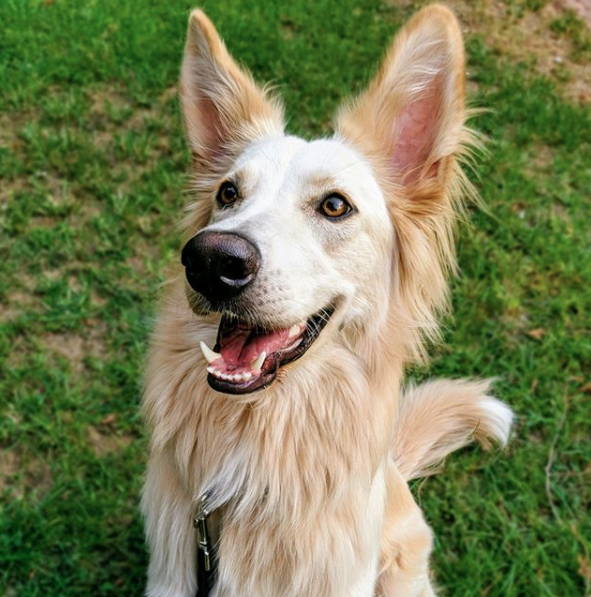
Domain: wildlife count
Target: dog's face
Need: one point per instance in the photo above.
(299, 239)
(317, 220)
(298, 235)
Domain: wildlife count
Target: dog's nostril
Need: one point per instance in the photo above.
(233, 269)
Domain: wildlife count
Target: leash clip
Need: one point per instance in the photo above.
(200, 524)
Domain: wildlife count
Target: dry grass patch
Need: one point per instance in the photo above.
(19, 475)
(581, 7)
(75, 348)
(542, 158)
(520, 34)
(104, 442)
(10, 126)
(16, 302)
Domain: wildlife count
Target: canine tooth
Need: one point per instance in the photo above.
(294, 330)
(258, 362)
(210, 355)
(292, 346)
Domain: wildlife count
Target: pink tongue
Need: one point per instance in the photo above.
(238, 351)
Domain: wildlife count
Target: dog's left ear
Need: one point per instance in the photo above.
(411, 117)
(224, 109)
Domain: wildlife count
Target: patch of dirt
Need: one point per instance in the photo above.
(22, 297)
(542, 158)
(19, 475)
(581, 7)
(8, 467)
(104, 98)
(76, 348)
(560, 212)
(106, 442)
(8, 189)
(7, 312)
(113, 115)
(112, 112)
(108, 109)
(539, 160)
(15, 303)
(521, 34)
(10, 125)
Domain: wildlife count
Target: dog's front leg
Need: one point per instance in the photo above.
(168, 510)
(406, 544)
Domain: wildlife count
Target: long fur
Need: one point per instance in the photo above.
(442, 416)
(308, 477)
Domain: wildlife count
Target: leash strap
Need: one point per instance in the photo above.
(206, 557)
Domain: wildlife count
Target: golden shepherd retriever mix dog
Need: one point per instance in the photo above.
(314, 273)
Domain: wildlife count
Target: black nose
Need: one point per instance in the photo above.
(220, 265)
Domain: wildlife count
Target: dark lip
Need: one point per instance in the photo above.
(315, 324)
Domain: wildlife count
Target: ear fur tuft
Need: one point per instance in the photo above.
(223, 107)
(410, 123)
(224, 110)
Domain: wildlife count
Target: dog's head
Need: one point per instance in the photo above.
(294, 240)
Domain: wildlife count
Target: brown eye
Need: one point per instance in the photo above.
(335, 206)
(227, 194)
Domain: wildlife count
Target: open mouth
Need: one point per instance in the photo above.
(247, 357)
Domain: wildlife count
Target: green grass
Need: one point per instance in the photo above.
(92, 164)
(571, 26)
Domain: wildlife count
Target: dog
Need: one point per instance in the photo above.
(314, 273)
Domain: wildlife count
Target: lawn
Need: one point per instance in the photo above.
(93, 170)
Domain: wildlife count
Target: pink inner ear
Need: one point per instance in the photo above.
(415, 130)
(211, 127)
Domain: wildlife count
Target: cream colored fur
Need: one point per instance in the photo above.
(309, 477)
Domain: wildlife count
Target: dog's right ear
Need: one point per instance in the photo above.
(412, 114)
(223, 107)
(410, 123)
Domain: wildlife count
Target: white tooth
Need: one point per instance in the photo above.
(209, 354)
(292, 346)
(246, 376)
(214, 372)
(294, 330)
(237, 377)
(258, 362)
